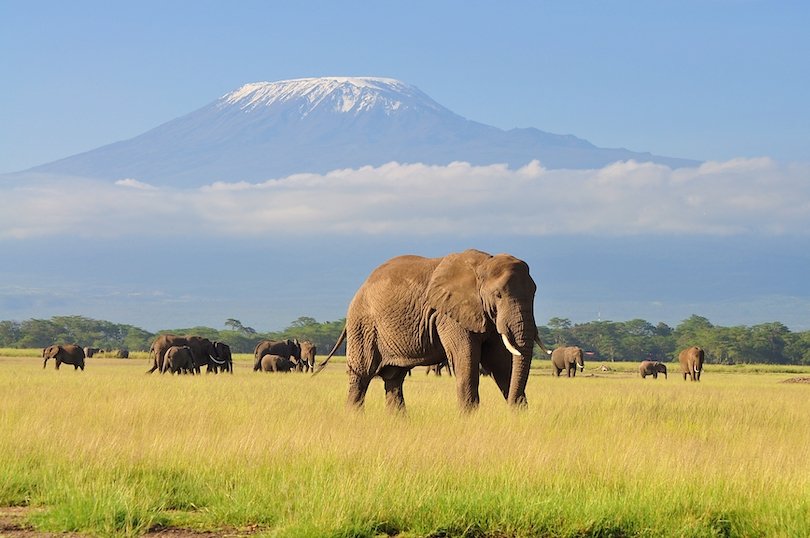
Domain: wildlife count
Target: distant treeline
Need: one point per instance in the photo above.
(39, 333)
(632, 340)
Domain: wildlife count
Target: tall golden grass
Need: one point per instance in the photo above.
(114, 451)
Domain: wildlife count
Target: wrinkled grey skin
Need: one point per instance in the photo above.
(68, 354)
(691, 360)
(201, 348)
(276, 363)
(308, 351)
(652, 368)
(178, 360)
(567, 358)
(467, 308)
(289, 349)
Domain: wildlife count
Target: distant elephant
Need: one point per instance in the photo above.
(437, 369)
(289, 349)
(201, 348)
(652, 368)
(68, 354)
(691, 360)
(470, 308)
(276, 363)
(122, 354)
(90, 351)
(567, 358)
(178, 359)
(223, 354)
(308, 351)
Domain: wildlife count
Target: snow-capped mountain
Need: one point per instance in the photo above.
(268, 130)
(339, 94)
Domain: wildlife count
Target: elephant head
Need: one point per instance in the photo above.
(483, 292)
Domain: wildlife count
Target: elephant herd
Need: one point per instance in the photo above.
(187, 354)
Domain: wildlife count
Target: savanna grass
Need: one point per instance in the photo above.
(113, 451)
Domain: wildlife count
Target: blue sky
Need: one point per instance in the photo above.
(710, 79)
(722, 81)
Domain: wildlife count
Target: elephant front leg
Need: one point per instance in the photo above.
(468, 376)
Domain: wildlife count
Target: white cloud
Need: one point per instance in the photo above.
(716, 198)
(135, 184)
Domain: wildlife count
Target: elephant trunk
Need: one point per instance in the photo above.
(520, 375)
(519, 338)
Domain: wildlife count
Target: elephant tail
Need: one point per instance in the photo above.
(339, 342)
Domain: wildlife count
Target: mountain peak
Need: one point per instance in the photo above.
(337, 94)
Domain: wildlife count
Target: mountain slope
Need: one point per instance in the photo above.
(268, 130)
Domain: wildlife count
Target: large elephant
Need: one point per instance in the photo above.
(205, 354)
(691, 360)
(178, 359)
(308, 351)
(223, 354)
(567, 358)
(289, 349)
(470, 308)
(68, 354)
(276, 363)
(652, 368)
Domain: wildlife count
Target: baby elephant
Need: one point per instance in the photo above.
(276, 363)
(178, 359)
(652, 368)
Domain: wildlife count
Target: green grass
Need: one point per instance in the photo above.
(112, 451)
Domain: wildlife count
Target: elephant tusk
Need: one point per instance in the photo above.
(509, 346)
(216, 361)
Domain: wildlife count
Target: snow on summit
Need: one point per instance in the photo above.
(338, 94)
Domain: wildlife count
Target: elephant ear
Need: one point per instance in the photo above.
(453, 289)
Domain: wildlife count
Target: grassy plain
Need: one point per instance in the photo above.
(112, 451)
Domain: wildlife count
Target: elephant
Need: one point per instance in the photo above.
(224, 354)
(276, 363)
(289, 349)
(122, 354)
(652, 368)
(203, 350)
(308, 352)
(178, 359)
(90, 351)
(567, 358)
(691, 360)
(68, 354)
(470, 308)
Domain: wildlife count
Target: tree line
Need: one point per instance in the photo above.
(633, 340)
(39, 333)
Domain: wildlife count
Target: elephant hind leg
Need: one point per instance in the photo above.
(394, 377)
(358, 386)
